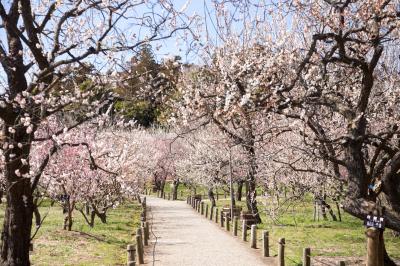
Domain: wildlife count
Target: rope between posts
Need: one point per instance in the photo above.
(274, 249)
(292, 260)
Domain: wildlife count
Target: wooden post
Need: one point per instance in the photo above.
(163, 195)
(253, 236)
(265, 244)
(139, 246)
(131, 255)
(281, 252)
(222, 218)
(373, 247)
(341, 263)
(244, 230)
(206, 215)
(307, 257)
(198, 206)
(211, 212)
(147, 228)
(143, 216)
(202, 208)
(216, 215)
(235, 225)
(144, 233)
(158, 193)
(227, 225)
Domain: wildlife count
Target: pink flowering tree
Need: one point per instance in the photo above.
(82, 173)
(42, 42)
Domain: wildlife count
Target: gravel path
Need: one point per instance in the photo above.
(184, 238)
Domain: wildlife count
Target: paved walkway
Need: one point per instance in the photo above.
(181, 237)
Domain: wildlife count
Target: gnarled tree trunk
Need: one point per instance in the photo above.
(17, 225)
(239, 191)
(19, 208)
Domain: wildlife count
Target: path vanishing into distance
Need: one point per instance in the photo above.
(181, 236)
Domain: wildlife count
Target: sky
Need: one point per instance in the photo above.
(172, 46)
(169, 47)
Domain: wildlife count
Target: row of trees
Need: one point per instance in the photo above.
(302, 93)
(42, 42)
(325, 95)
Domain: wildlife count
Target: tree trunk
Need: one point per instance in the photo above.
(103, 217)
(92, 217)
(38, 219)
(175, 189)
(211, 197)
(68, 221)
(239, 192)
(338, 211)
(18, 216)
(323, 210)
(325, 206)
(17, 225)
(251, 194)
(87, 208)
(162, 187)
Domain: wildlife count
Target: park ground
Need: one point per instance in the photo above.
(105, 244)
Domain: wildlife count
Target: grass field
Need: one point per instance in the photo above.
(105, 244)
(328, 240)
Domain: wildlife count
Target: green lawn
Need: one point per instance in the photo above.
(105, 244)
(325, 238)
(328, 240)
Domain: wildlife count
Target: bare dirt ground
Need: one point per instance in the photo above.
(180, 236)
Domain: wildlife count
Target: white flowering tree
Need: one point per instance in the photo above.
(41, 42)
(211, 160)
(346, 98)
(245, 70)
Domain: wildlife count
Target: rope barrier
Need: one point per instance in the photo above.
(274, 248)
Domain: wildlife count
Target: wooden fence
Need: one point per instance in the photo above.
(225, 222)
(142, 238)
(374, 243)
